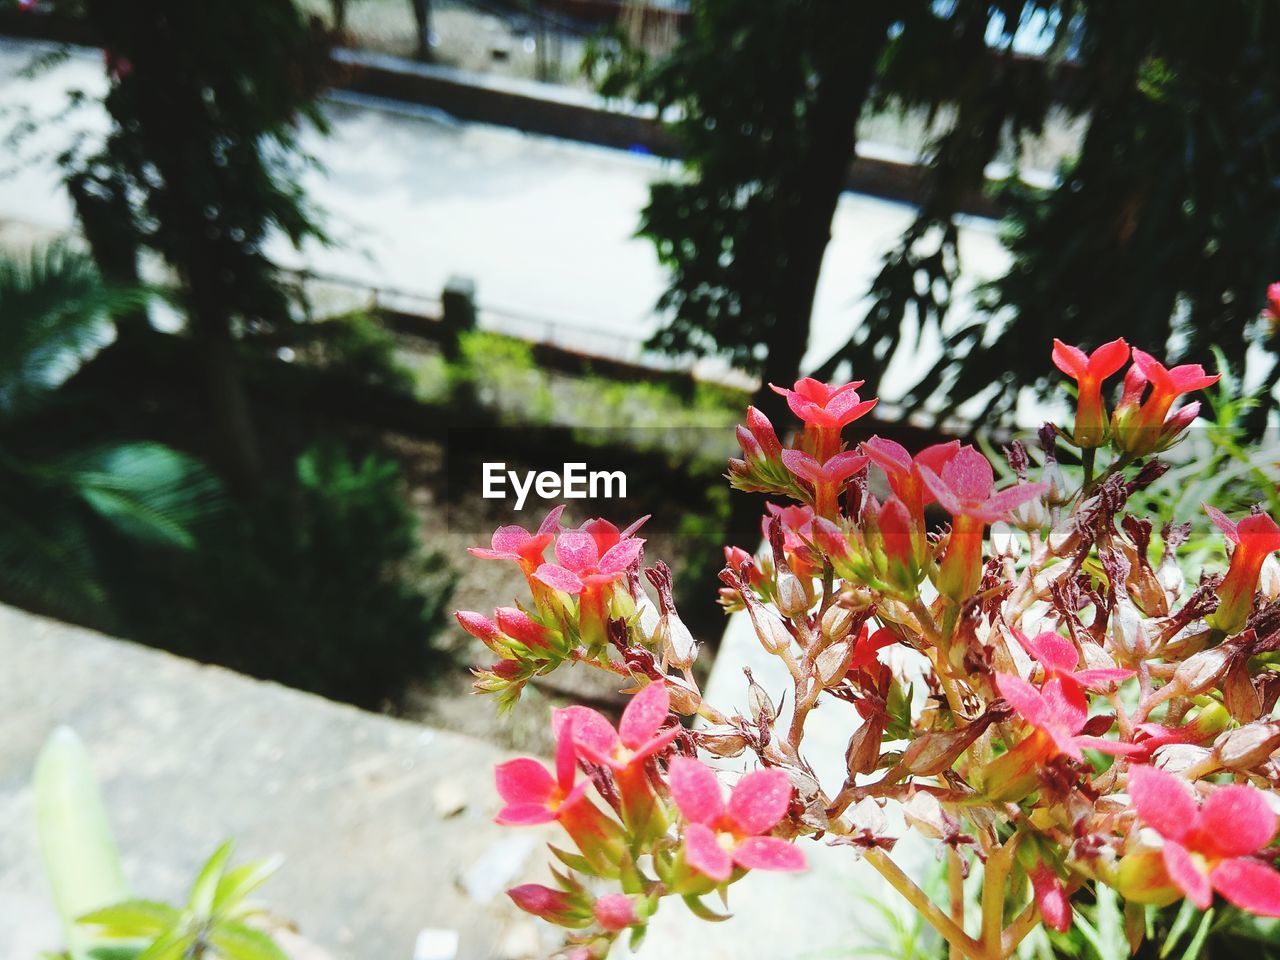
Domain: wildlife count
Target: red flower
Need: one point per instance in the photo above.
(1051, 897)
(1089, 371)
(1272, 310)
(1255, 537)
(1211, 847)
(594, 555)
(514, 542)
(902, 470)
(827, 479)
(1059, 658)
(1143, 427)
(720, 836)
(966, 489)
(823, 406)
(797, 528)
(638, 737)
(532, 794)
(1057, 712)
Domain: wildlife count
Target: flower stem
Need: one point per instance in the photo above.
(952, 932)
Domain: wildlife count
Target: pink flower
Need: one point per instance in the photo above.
(594, 555)
(823, 406)
(827, 479)
(797, 528)
(720, 836)
(1143, 427)
(1057, 712)
(1211, 847)
(1089, 371)
(615, 912)
(639, 736)
(1059, 658)
(1051, 897)
(531, 793)
(1255, 537)
(966, 490)
(1272, 310)
(514, 542)
(902, 470)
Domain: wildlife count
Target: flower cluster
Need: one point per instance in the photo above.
(1092, 714)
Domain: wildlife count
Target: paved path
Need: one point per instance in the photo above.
(544, 226)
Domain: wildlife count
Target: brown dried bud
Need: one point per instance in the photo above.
(931, 753)
(1179, 758)
(762, 708)
(792, 598)
(1248, 746)
(1203, 670)
(833, 662)
(1239, 695)
(837, 622)
(855, 597)
(685, 697)
(723, 741)
(863, 753)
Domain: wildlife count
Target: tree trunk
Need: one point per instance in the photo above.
(812, 194)
(224, 387)
(815, 189)
(102, 207)
(339, 16)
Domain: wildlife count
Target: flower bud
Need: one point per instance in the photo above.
(519, 626)
(1141, 876)
(685, 697)
(837, 622)
(764, 434)
(792, 599)
(555, 906)
(723, 741)
(483, 629)
(833, 663)
(1203, 670)
(1246, 747)
(615, 912)
(762, 708)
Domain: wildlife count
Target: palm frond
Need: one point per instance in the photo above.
(54, 309)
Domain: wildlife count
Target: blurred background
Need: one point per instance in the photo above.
(278, 276)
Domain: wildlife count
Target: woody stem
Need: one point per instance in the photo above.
(955, 885)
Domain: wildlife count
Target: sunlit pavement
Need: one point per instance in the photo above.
(545, 227)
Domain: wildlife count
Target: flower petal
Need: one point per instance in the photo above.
(1163, 801)
(758, 801)
(695, 790)
(1223, 523)
(941, 492)
(576, 550)
(524, 815)
(566, 754)
(703, 852)
(969, 475)
(1236, 820)
(1051, 897)
(1102, 677)
(552, 522)
(592, 733)
(1070, 360)
(843, 465)
(558, 578)
(621, 555)
(1023, 697)
(523, 781)
(802, 465)
(1056, 653)
(1249, 885)
(889, 455)
(509, 539)
(646, 712)
(1187, 874)
(769, 853)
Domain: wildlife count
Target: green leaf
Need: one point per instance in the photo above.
(235, 941)
(170, 946)
(75, 837)
(1202, 934)
(1181, 922)
(702, 911)
(200, 903)
(133, 918)
(239, 883)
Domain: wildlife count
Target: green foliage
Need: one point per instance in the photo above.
(67, 506)
(212, 924)
(79, 850)
(319, 583)
(1164, 226)
(356, 346)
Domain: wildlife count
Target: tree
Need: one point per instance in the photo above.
(206, 102)
(68, 504)
(1167, 216)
